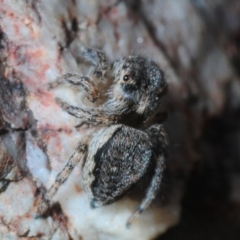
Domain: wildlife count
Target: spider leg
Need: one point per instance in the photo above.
(97, 115)
(80, 82)
(77, 156)
(98, 59)
(151, 191)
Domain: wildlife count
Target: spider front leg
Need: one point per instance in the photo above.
(77, 156)
(98, 59)
(106, 114)
(83, 83)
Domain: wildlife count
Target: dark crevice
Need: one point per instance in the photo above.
(3, 131)
(208, 212)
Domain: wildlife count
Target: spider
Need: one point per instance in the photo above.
(118, 155)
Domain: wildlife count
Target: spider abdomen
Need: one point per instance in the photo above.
(118, 158)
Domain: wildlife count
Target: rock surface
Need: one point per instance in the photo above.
(194, 42)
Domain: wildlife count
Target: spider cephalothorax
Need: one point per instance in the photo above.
(140, 81)
(117, 156)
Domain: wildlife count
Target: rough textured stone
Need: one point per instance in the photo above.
(195, 42)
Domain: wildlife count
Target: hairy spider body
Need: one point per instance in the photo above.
(129, 139)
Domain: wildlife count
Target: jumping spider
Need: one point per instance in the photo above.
(118, 155)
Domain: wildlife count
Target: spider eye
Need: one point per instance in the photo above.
(126, 77)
